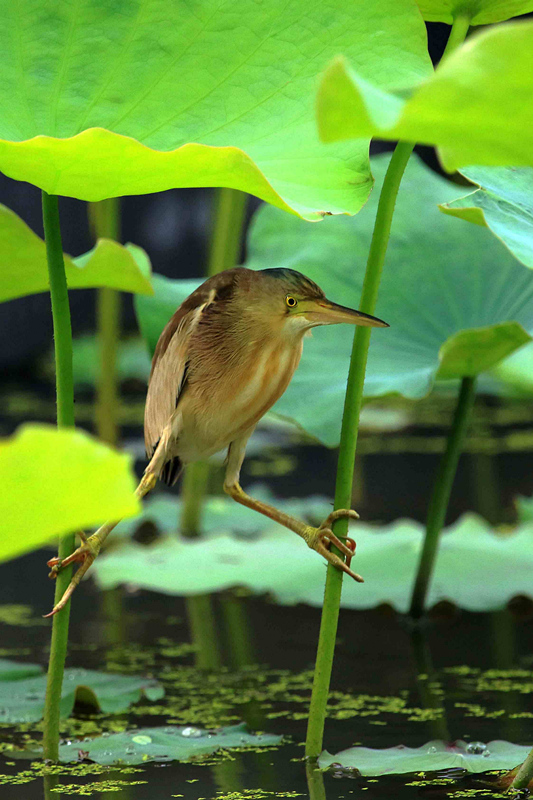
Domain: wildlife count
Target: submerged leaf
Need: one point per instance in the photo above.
(24, 268)
(162, 744)
(55, 481)
(279, 563)
(23, 700)
(475, 108)
(504, 203)
(436, 755)
(146, 95)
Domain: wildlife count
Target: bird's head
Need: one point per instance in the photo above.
(299, 304)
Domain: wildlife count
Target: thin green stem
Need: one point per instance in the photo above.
(65, 419)
(193, 491)
(350, 425)
(440, 497)
(105, 223)
(524, 774)
(229, 210)
(458, 33)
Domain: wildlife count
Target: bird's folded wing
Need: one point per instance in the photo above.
(168, 377)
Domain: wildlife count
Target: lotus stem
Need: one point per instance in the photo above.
(350, 426)
(105, 223)
(438, 505)
(524, 774)
(350, 421)
(65, 419)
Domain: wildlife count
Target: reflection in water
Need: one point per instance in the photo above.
(431, 694)
(49, 783)
(315, 781)
(203, 632)
(503, 640)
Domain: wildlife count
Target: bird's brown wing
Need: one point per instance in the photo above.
(168, 376)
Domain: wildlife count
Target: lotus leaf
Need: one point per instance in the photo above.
(24, 267)
(436, 755)
(162, 744)
(456, 300)
(22, 700)
(484, 12)
(475, 108)
(279, 563)
(14, 670)
(144, 95)
(132, 360)
(504, 203)
(45, 473)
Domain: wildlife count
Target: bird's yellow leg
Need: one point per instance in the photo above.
(319, 539)
(90, 546)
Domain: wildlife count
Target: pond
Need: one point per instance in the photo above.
(231, 657)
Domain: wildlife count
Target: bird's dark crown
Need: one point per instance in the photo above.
(299, 283)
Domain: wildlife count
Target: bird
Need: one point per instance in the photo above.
(221, 362)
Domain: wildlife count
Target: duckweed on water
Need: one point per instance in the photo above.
(92, 788)
(19, 615)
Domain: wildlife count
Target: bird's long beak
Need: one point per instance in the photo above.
(324, 312)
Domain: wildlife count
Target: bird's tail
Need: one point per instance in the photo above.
(171, 471)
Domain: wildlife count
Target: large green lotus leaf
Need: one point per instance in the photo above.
(456, 300)
(24, 270)
(504, 203)
(436, 755)
(222, 514)
(144, 95)
(22, 700)
(132, 360)
(513, 377)
(279, 563)
(56, 481)
(483, 12)
(476, 107)
(154, 312)
(162, 744)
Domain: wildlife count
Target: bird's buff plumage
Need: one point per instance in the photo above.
(228, 353)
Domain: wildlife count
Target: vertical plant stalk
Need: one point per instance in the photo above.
(193, 490)
(104, 219)
(350, 421)
(229, 210)
(440, 496)
(524, 774)
(65, 419)
(350, 425)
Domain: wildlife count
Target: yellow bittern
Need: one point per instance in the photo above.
(226, 356)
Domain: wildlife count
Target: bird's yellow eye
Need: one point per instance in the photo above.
(291, 301)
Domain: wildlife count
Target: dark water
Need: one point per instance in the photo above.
(260, 657)
(229, 658)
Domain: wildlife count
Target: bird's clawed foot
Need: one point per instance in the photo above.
(321, 539)
(85, 555)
